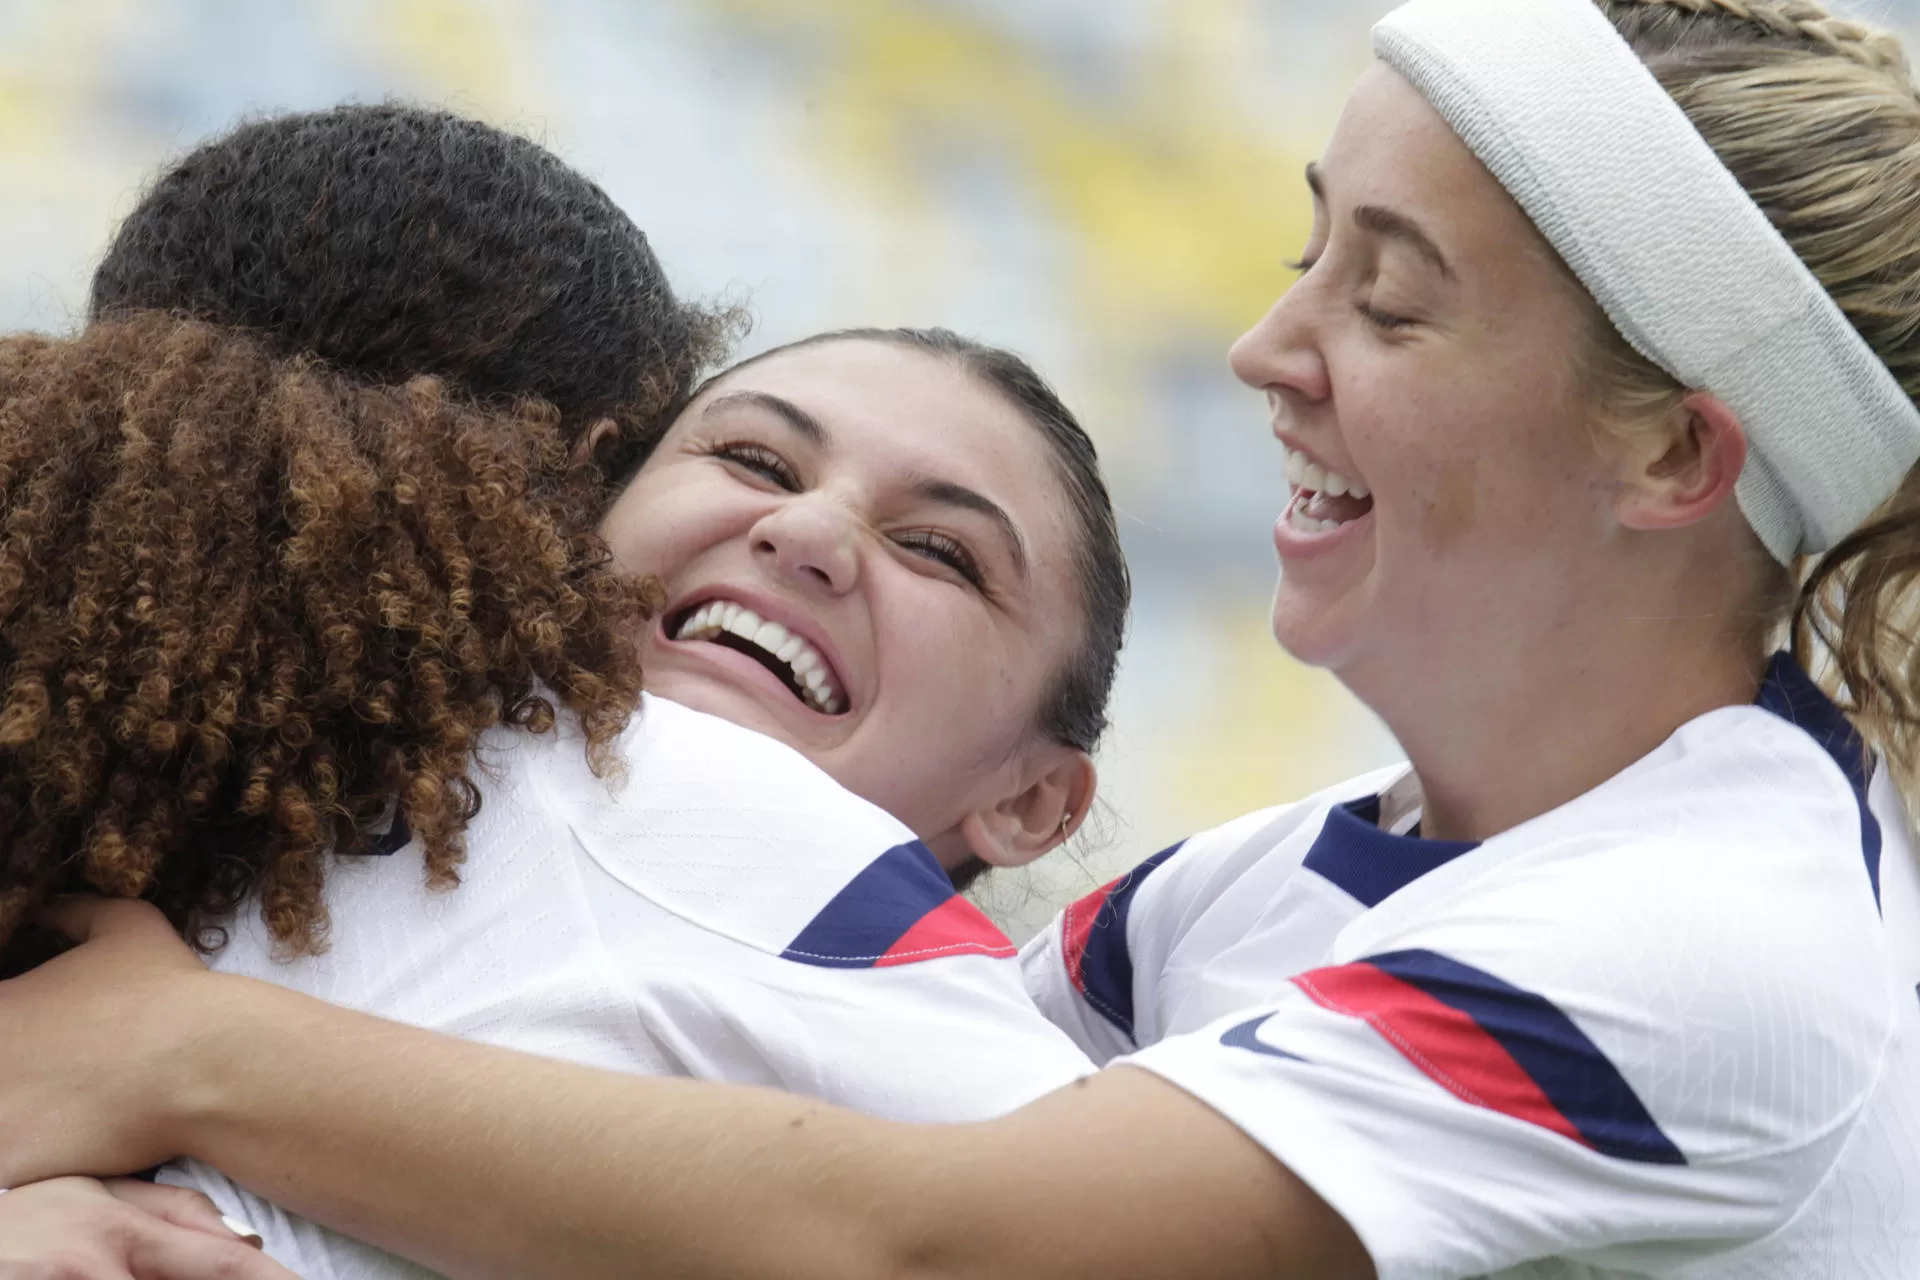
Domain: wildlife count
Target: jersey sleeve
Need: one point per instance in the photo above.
(954, 1039)
(772, 928)
(1596, 1068)
(1094, 969)
(1080, 969)
(899, 1000)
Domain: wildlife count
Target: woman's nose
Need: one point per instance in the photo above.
(811, 541)
(1280, 354)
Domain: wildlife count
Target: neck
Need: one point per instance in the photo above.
(1533, 727)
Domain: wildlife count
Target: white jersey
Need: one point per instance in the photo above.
(1670, 1029)
(727, 912)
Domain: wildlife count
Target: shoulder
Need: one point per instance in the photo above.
(674, 748)
(1743, 809)
(697, 778)
(1186, 878)
(1101, 943)
(743, 836)
(1667, 957)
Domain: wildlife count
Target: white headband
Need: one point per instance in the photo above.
(1554, 101)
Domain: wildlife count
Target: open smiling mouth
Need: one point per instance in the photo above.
(797, 664)
(1322, 500)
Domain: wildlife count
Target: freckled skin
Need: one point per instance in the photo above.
(1450, 507)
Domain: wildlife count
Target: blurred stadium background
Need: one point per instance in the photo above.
(1108, 186)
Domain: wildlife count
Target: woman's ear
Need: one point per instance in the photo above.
(1053, 803)
(594, 444)
(1689, 471)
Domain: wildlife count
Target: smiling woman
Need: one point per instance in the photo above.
(1615, 977)
(675, 895)
(1608, 327)
(391, 657)
(893, 550)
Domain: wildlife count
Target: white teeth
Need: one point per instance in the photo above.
(700, 620)
(1303, 472)
(808, 667)
(1307, 524)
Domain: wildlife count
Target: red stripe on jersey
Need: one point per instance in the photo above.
(1093, 943)
(1076, 928)
(1443, 1042)
(954, 927)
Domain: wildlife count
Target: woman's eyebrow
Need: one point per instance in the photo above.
(1381, 221)
(947, 493)
(1398, 226)
(796, 417)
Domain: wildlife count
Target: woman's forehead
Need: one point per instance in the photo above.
(898, 410)
(863, 383)
(1390, 137)
(1391, 149)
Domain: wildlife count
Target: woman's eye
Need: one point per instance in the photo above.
(1303, 264)
(938, 546)
(760, 460)
(1382, 319)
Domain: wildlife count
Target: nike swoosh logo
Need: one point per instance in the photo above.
(1243, 1037)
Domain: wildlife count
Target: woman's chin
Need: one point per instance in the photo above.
(1311, 630)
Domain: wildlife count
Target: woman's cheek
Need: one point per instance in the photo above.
(944, 648)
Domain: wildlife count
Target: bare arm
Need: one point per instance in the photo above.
(480, 1161)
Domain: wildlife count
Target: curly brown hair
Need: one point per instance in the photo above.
(249, 608)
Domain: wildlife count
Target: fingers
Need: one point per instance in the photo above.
(84, 919)
(76, 1229)
(167, 1252)
(182, 1207)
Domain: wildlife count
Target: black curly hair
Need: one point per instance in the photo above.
(394, 241)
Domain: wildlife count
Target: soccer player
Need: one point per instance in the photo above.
(840, 532)
(377, 602)
(1606, 333)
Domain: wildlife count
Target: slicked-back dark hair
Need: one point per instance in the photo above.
(394, 241)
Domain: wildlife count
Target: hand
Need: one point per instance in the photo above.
(86, 1041)
(79, 1229)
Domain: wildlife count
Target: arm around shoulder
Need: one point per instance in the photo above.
(485, 1162)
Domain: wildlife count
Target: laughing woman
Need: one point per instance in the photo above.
(1608, 333)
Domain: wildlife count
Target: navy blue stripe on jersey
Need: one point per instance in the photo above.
(1371, 865)
(1581, 1081)
(1792, 695)
(1094, 942)
(899, 909)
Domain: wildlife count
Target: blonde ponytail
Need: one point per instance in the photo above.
(1817, 118)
